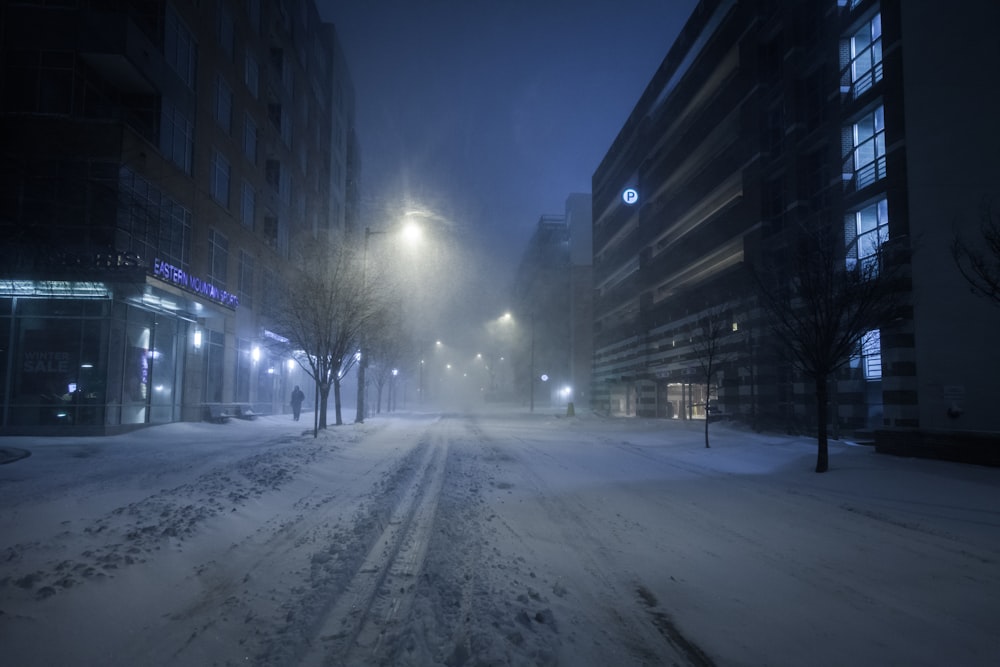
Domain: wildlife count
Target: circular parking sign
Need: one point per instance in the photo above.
(630, 196)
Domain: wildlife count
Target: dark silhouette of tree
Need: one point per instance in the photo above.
(979, 263)
(821, 307)
(323, 313)
(708, 346)
(386, 347)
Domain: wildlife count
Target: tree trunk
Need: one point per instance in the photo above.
(359, 415)
(336, 401)
(822, 454)
(707, 414)
(324, 394)
(378, 400)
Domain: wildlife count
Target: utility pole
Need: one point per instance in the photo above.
(359, 417)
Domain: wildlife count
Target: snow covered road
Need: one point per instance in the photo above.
(491, 539)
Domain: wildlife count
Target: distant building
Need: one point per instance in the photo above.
(766, 116)
(156, 161)
(552, 297)
(579, 224)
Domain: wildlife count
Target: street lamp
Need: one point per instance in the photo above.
(411, 231)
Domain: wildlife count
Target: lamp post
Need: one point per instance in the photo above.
(412, 232)
(359, 416)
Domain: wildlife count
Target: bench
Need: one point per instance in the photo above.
(243, 411)
(217, 412)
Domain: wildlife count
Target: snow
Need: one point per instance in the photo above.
(495, 538)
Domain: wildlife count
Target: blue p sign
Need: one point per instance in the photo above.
(630, 196)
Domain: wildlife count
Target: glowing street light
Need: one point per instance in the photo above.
(411, 232)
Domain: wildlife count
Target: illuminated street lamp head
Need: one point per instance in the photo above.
(411, 231)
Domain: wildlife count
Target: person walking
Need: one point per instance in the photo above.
(297, 398)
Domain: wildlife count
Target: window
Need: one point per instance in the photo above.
(226, 33)
(245, 292)
(271, 230)
(285, 187)
(866, 230)
(223, 104)
(283, 68)
(863, 52)
(39, 82)
(871, 355)
(179, 47)
(275, 233)
(248, 205)
(176, 136)
(269, 290)
(286, 128)
(249, 138)
(253, 11)
(272, 173)
(220, 179)
(280, 119)
(151, 223)
(866, 139)
(218, 258)
(251, 76)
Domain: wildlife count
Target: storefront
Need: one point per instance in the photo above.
(94, 357)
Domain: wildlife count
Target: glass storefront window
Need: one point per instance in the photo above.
(163, 372)
(214, 364)
(135, 386)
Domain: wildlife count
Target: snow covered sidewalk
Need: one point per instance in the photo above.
(494, 538)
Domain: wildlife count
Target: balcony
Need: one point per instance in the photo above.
(117, 49)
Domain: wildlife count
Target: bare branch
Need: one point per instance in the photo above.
(979, 264)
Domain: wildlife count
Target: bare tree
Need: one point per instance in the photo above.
(386, 346)
(980, 263)
(708, 346)
(322, 314)
(821, 307)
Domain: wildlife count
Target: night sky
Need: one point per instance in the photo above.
(491, 112)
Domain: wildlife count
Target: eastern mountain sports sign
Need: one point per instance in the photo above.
(182, 278)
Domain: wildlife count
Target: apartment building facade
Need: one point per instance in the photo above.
(770, 117)
(159, 159)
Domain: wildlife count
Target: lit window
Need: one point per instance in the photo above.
(866, 162)
(871, 355)
(864, 50)
(866, 230)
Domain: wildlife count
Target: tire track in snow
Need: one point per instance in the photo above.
(647, 637)
(382, 589)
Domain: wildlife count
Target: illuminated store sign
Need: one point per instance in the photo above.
(182, 278)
